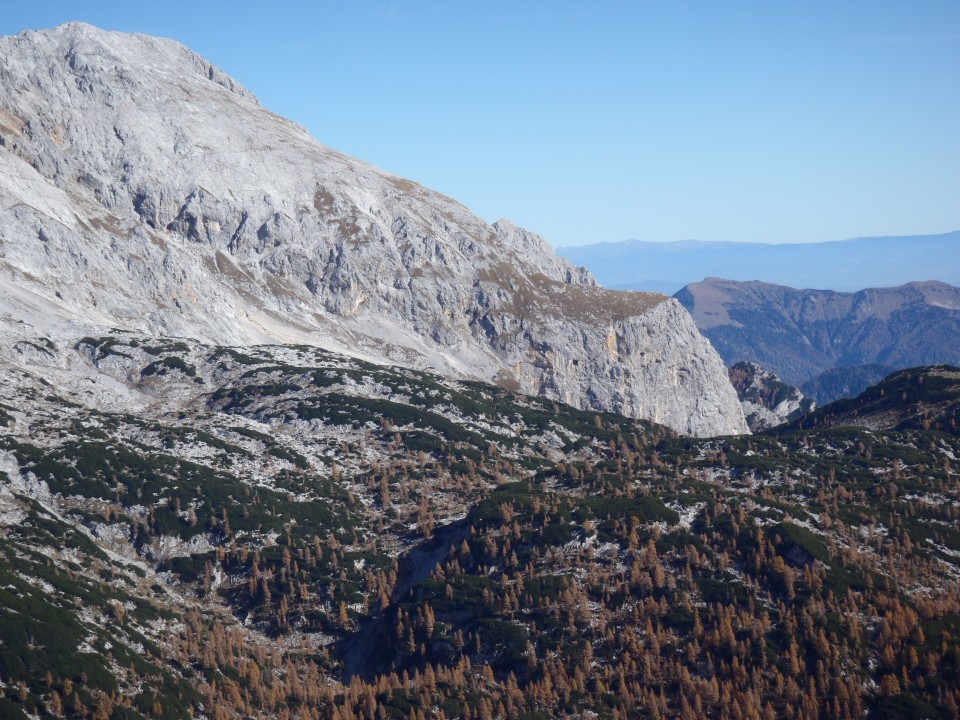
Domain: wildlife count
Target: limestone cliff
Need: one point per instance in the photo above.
(143, 188)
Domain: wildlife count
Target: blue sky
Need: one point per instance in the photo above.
(602, 121)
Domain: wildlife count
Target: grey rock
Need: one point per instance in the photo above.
(767, 402)
(142, 188)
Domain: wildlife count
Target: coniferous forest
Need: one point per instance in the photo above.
(313, 536)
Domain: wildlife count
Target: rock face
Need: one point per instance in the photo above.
(799, 334)
(766, 401)
(142, 188)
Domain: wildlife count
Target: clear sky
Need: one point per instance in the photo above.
(597, 121)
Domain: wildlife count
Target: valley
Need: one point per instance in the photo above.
(283, 435)
(279, 529)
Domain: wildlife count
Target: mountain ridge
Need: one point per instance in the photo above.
(923, 397)
(802, 334)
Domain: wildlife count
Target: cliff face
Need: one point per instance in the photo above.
(142, 188)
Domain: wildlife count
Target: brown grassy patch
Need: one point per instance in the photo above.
(10, 122)
(109, 223)
(323, 201)
(405, 186)
(539, 296)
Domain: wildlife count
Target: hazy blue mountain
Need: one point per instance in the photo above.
(842, 265)
(801, 334)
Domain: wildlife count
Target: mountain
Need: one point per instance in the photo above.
(281, 531)
(256, 529)
(840, 265)
(766, 401)
(800, 334)
(927, 397)
(844, 382)
(142, 188)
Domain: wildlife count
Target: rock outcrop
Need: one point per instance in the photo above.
(142, 188)
(767, 402)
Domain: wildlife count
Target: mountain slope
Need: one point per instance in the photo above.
(844, 382)
(280, 531)
(799, 334)
(142, 188)
(846, 265)
(927, 397)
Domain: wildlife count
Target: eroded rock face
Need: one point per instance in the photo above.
(142, 188)
(767, 402)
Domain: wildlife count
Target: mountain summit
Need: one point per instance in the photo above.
(143, 188)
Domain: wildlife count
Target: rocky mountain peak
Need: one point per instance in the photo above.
(90, 52)
(143, 188)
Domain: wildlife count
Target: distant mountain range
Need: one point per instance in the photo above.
(842, 265)
(829, 344)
